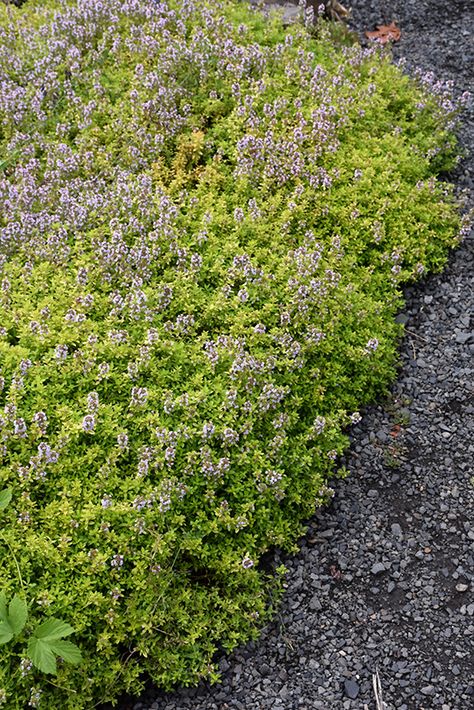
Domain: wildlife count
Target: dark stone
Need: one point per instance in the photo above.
(351, 689)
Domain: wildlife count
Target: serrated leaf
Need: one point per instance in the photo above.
(6, 633)
(41, 655)
(3, 607)
(5, 497)
(67, 650)
(53, 629)
(17, 614)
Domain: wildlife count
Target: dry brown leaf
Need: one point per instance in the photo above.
(385, 33)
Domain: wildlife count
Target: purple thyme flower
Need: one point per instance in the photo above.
(122, 441)
(170, 454)
(139, 396)
(165, 503)
(17, 383)
(230, 437)
(24, 365)
(273, 477)
(92, 402)
(88, 423)
(318, 425)
(208, 430)
(132, 370)
(47, 453)
(35, 697)
(10, 410)
(118, 336)
(140, 502)
(140, 526)
(25, 667)
(243, 295)
(41, 421)
(19, 426)
(71, 316)
(372, 345)
(211, 352)
(152, 336)
(61, 352)
(247, 563)
(239, 214)
(104, 369)
(82, 276)
(143, 466)
(116, 561)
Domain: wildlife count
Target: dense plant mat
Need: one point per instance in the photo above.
(206, 221)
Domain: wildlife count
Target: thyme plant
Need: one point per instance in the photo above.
(206, 224)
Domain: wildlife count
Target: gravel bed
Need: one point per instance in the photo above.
(384, 578)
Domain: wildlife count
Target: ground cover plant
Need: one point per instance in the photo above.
(206, 222)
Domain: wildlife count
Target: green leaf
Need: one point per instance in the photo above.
(5, 497)
(6, 633)
(67, 650)
(17, 614)
(53, 629)
(41, 655)
(3, 607)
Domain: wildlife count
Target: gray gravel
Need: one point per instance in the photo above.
(385, 576)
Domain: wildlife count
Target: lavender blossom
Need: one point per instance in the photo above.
(122, 441)
(117, 561)
(371, 346)
(273, 477)
(61, 352)
(230, 437)
(92, 402)
(208, 430)
(139, 396)
(88, 423)
(24, 366)
(19, 427)
(104, 369)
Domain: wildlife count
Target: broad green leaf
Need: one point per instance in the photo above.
(3, 607)
(53, 629)
(17, 614)
(41, 655)
(67, 650)
(6, 633)
(5, 497)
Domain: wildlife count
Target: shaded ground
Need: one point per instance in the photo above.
(384, 578)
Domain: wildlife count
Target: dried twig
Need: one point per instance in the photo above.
(415, 335)
(378, 690)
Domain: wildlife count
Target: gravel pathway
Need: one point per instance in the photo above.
(385, 575)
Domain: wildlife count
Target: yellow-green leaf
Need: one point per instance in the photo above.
(5, 497)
